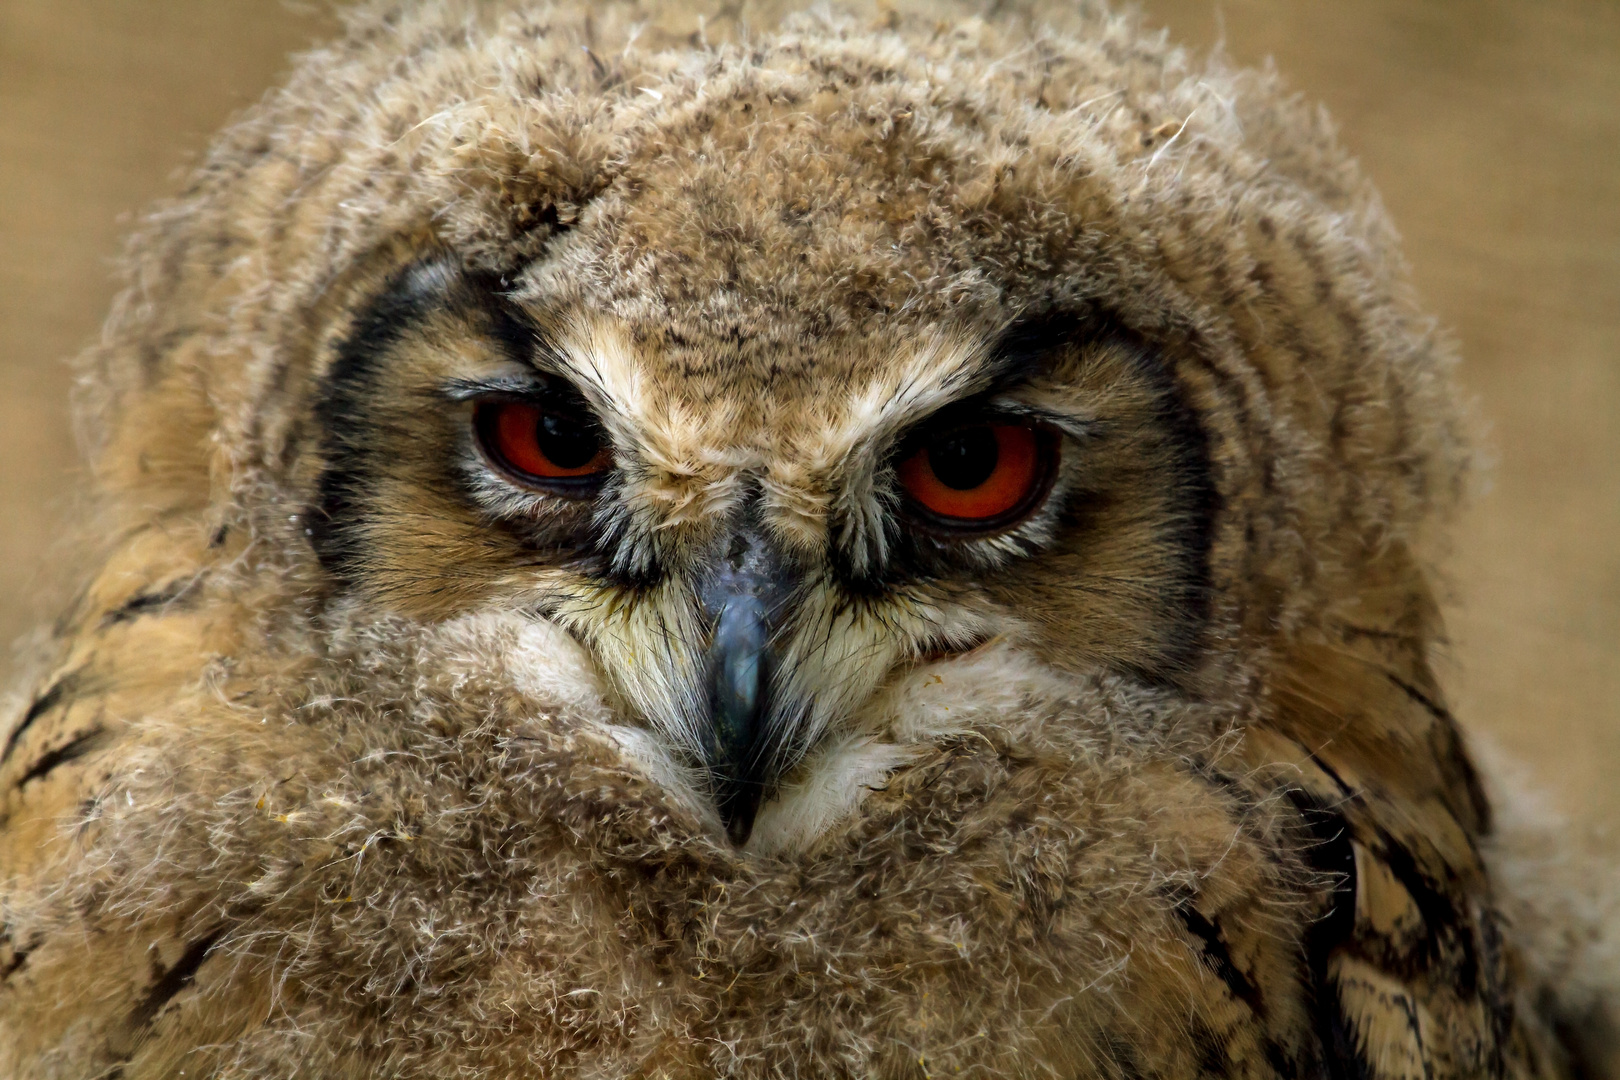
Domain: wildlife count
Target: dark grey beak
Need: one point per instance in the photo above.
(743, 598)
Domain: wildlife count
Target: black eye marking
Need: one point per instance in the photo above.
(913, 533)
(356, 459)
(387, 439)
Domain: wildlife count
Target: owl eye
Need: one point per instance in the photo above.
(980, 477)
(556, 449)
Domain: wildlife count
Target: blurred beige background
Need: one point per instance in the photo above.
(1493, 127)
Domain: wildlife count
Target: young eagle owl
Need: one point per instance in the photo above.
(636, 541)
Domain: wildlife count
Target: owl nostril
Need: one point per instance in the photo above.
(746, 564)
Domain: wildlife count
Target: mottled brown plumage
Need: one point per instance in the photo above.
(357, 757)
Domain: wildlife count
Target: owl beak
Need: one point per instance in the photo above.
(742, 597)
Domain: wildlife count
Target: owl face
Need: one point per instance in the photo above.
(751, 534)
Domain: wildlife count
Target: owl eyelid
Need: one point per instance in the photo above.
(535, 390)
(974, 412)
(1076, 427)
(543, 392)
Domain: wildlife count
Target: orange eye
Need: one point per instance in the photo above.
(552, 448)
(982, 475)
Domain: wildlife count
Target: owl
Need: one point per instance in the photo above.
(639, 540)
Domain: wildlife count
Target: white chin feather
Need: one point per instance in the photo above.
(824, 790)
(555, 673)
(549, 666)
(994, 686)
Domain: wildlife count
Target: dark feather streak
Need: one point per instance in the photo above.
(146, 603)
(74, 749)
(1217, 957)
(50, 699)
(174, 980)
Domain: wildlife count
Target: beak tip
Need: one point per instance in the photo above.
(739, 659)
(738, 810)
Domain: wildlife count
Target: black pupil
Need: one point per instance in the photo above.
(567, 444)
(964, 459)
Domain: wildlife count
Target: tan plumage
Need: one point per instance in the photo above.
(358, 757)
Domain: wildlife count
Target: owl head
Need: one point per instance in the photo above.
(770, 370)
